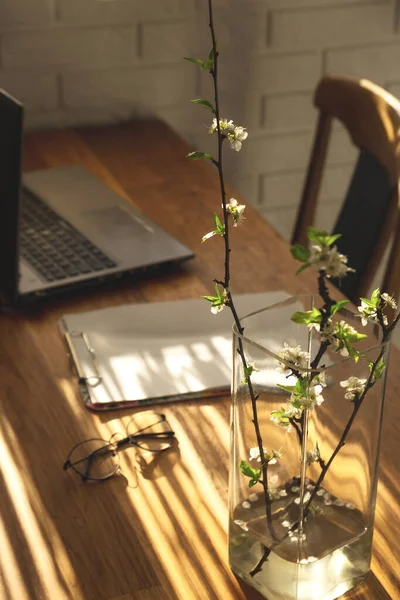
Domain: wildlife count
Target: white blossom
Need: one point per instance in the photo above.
(370, 313)
(217, 309)
(270, 457)
(313, 456)
(306, 498)
(224, 125)
(327, 332)
(294, 355)
(282, 417)
(354, 386)
(389, 300)
(329, 260)
(274, 494)
(284, 424)
(367, 313)
(209, 235)
(241, 524)
(254, 453)
(339, 502)
(313, 397)
(236, 138)
(236, 134)
(236, 211)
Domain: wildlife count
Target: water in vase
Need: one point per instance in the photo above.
(330, 557)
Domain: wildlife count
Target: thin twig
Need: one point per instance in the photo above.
(226, 282)
(258, 567)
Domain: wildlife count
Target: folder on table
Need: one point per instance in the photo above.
(151, 353)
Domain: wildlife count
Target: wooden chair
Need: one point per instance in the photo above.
(370, 213)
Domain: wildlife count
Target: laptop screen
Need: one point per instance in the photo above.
(11, 120)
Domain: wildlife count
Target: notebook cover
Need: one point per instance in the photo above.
(150, 353)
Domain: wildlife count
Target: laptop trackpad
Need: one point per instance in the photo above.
(116, 222)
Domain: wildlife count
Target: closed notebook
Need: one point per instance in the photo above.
(150, 353)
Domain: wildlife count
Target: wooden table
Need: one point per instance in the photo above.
(161, 534)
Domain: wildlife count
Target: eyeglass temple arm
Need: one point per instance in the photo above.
(143, 436)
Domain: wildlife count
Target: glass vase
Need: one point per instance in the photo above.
(307, 533)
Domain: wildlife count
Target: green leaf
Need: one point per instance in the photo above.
(300, 253)
(198, 155)
(352, 351)
(315, 235)
(332, 238)
(210, 62)
(310, 316)
(376, 296)
(288, 388)
(207, 66)
(367, 302)
(248, 370)
(217, 220)
(248, 471)
(219, 225)
(302, 268)
(338, 306)
(205, 103)
(254, 481)
(210, 298)
(196, 61)
(379, 368)
(220, 294)
(281, 415)
(302, 386)
(355, 337)
(321, 237)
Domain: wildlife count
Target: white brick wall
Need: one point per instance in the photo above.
(69, 48)
(92, 61)
(331, 26)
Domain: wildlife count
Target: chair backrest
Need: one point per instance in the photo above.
(370, 214)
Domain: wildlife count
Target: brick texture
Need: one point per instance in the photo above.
(321, 27)
(135, 87)
(288, 111)
(90, 61)
(25, 13)
(36, 90)
(78, 12)
(169, 41)
(73, 48)
(380, 63)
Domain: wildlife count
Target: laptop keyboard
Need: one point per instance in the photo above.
(52, 246)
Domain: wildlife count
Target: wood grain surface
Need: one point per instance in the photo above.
(159, 532)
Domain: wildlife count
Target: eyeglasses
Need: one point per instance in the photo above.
(97, 459)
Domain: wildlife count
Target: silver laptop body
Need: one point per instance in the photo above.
(59, 207)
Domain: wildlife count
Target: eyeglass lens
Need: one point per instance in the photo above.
(94, 459)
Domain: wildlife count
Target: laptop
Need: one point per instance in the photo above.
(61, 228)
